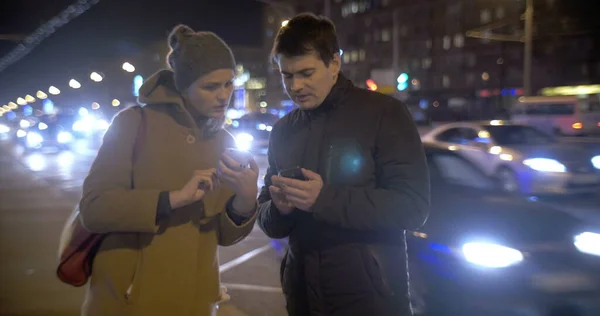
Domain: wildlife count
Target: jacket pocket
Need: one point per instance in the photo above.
(375, 267)
(133, 289)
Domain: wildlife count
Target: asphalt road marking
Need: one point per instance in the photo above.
(250, 287)
(243, 258)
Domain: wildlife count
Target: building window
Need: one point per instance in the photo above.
(471, 60)
(500, 13)
(354, 56)
(428, 44)
(447, 42)
(403, 31)
(362, 55)
(426, 63)
(459, 40)
(470, 78)
(376, 35)
(415, 63)
(368, 22)
(446, 81)
(346, 58)
(485, 16)
(386, 35)
(368, 38)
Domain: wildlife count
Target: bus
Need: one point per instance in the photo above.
(559, 115)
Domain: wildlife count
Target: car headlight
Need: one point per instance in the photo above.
(596, 162)
(244, 141)
(34, 139)
(588, 243)
(4, 129)
(491, 255)
(545, 165)
(64, 137)
(102, 125)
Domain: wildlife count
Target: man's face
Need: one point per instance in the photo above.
(306, 78)
(210, 94)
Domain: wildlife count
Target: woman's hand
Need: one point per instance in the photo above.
(242, 180)
(202, 181)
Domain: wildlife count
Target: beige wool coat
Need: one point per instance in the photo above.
(145, 269)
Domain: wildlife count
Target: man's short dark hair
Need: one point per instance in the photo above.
(304, 34)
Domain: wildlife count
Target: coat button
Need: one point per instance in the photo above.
(190, 139)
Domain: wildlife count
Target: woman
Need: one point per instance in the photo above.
(165, 213)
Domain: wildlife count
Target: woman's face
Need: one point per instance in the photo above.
(210, 94)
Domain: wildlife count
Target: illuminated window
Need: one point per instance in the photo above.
(459, 40)
(447, 42)
(386, 35)
(362, 55)
(446, 81)
(485, 16)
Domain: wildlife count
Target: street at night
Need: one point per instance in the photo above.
(491, 207)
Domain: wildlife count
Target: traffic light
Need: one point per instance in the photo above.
(371, 85)
(402, 81)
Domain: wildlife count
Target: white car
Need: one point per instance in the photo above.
(523, 158)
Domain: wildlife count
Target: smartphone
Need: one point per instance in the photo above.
(241, 156)
(292, 173)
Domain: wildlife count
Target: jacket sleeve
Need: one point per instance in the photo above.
(270, 220)
(401, 197)
(109, 204)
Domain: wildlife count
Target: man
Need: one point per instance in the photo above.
(366, 183)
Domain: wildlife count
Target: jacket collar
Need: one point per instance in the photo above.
(160, 89)
(335, 96)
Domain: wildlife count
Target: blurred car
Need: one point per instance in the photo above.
(50, 132)
(252, 130)
(485, 252)
(523, 158)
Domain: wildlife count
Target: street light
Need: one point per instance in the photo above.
(41, 95)
(128, 67)
(74, 84)
(96, 77)
(116, 102)
(21, 101)
(53, 90)
(29, 99)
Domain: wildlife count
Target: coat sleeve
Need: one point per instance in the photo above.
(270, 220)
(109, 204)
(232, 231)
(401, 197)
(232, 228)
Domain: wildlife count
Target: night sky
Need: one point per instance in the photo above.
(112, 29)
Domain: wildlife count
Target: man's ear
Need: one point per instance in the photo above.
(335, 65)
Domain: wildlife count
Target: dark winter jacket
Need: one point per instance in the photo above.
(348, 257)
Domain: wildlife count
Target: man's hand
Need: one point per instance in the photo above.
(302, 194)
(201, 182)
(284, 206)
